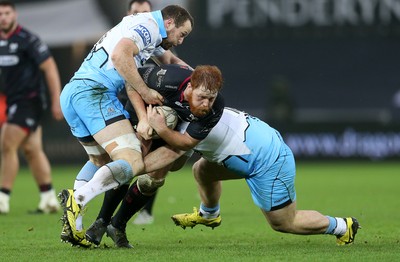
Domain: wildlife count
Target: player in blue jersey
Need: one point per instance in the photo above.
(98, 119)
(241, 146)
(194, 96)
(26, 64)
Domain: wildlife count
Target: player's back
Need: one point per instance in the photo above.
(240, 136)
(142, 29)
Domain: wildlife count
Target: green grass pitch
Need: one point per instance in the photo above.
(366, 190)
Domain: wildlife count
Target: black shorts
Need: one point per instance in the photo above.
(25, 113)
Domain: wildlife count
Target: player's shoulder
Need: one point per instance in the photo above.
(176, 67)
(26, 35)
(143, 19)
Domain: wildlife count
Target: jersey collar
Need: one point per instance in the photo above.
(159, 19)
(16, 31)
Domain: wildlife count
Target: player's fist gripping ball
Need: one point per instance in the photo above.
(170, 116)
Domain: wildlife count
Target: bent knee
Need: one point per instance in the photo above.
(148, 185)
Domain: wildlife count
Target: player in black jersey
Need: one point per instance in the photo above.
(24, 59)
(199, 107)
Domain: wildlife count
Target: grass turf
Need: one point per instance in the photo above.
(366, 190)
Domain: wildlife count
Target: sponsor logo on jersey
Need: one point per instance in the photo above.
(3, 42)
(42, 48)
(160, 76)
(144, 34)
(13, 47)
(9, 60)
(30, 121)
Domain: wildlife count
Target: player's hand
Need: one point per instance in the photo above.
(56, 112)
(156, 118)
(152, 97)
(144, 129)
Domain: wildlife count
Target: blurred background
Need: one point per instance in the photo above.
(323, 72)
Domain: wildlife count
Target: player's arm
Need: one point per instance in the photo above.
(170, 58)
(122, 58)
(143, 128)
(50, 71)
(161, 157)
(173, 138)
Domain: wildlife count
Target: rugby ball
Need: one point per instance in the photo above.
(171, 118)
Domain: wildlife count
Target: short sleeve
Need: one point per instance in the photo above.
(143, 34)
(38, 50)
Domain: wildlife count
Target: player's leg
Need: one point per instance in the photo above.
(97, 158)
(145, 216)
(137, 196)
(12, 137)
(311, 222)
(111, 132)
(208, 176)
(280, 208)
(41, 171)
(119, 141)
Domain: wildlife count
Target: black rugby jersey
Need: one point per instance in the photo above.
(171, 81)
(20, 56)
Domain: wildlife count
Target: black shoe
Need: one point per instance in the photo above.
(118, 236)
(96, 231)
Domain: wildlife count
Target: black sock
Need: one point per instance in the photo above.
(132, 203)
(149, 205)
(111, 200)
(5, 191)
(45, 187)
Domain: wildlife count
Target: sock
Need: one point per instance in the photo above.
(337, 226)
(112, 198)
(45, 187)
(5, 191)
(132, 203)
(331, 226)
(102, 181)
(85, 175)
(341, 227)
(149, 205)
(209, 212)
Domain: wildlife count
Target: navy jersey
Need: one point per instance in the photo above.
(20, 57)
(171, 81)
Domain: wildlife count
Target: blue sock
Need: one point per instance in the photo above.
(332, 225)
(210, 210)
(87, 172)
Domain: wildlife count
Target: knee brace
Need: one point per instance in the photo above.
(121, 171)
(148, 185)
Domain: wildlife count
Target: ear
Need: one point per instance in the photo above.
(169, 23)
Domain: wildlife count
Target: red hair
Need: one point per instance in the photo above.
(208, 76)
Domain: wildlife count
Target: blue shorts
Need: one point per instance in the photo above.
(273, 188)
(88, 107)
(270, 168)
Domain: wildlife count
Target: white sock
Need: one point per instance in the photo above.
(101, 182)
(341, 227)
(79, 219)
(209, 215)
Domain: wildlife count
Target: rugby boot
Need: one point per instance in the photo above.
(96, 231)
(118, 236)
(195, 218)
(350, 235)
